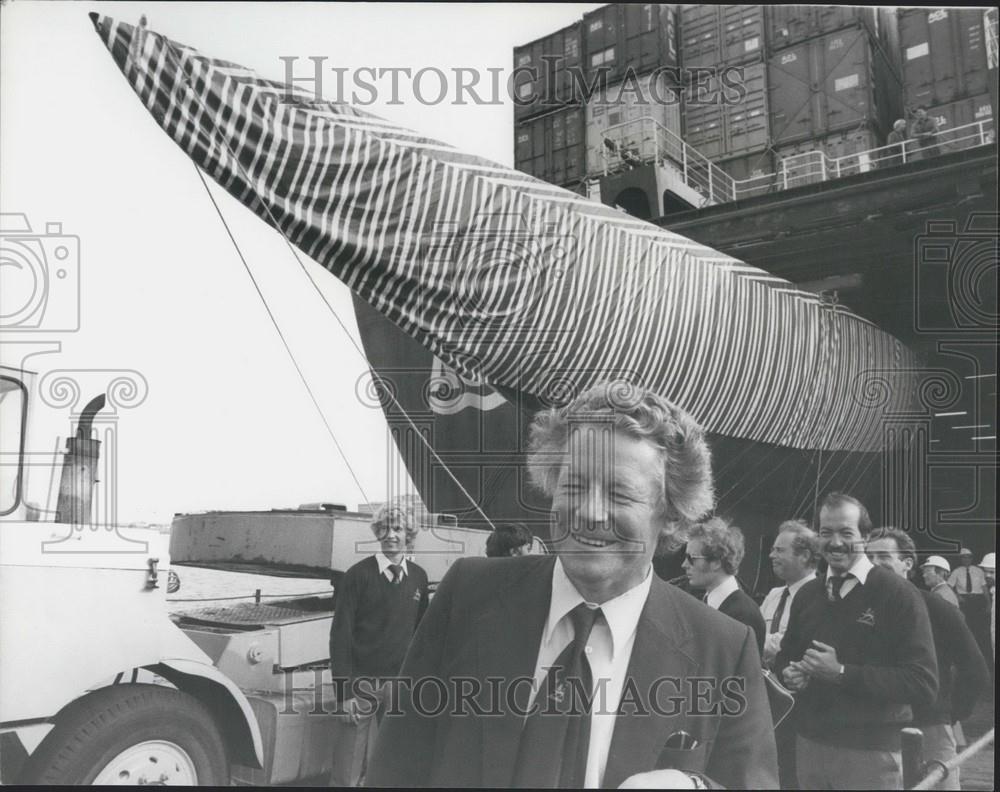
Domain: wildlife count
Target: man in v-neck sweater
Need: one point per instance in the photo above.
(377, 605)
(858, 652)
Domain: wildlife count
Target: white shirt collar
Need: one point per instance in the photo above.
(384, 563)
(723, 589)
(860, 569)
(793, 588)
(621, 613)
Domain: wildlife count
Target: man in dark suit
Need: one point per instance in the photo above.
(509, 539)
(714, 552)
(491, 688)
(962, 672)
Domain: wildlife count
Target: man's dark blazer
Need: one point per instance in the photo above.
(486, 621)
(962, 671)
(740, 606)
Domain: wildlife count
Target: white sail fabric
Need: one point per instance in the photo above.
(516, 282)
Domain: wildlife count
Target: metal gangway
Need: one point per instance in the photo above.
(645, 141)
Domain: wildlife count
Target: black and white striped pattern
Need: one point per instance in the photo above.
(517, 282)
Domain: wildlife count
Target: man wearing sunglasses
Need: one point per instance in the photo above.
(714, 552)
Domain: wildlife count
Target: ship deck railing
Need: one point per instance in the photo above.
(815, 166)
(919, 774)
(644, 141)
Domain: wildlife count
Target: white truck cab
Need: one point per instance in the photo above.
(97, 684)
(100, 685)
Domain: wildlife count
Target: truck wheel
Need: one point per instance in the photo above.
(132, 734)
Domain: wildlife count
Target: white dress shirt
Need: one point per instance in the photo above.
(723, 589)
(958, 580)
(857, 574)
(772, 641)
(608, 652)
(384, 563)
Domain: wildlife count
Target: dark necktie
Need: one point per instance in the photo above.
(556, 734)
(397, 572)
(968, 580)
(836, 583)
(776, 619)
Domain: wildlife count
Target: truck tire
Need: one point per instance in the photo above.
(131, 734)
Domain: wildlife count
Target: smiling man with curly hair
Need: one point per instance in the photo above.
(672, 690)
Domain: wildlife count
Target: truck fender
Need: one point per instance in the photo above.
(235, 716)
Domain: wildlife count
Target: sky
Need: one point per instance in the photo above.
(221, 419)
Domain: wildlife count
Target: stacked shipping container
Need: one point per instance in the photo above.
(543, 72)
(551, 147)
(553, 133)
(715, 35)
(833, 80)
(652, 96)
(726, 42)
(811, 78)
(809, 73)
(788, 25)
(548, 128)
(829, 84)
(718, 125)
(624, 36)
(944, 54)
(946, 65)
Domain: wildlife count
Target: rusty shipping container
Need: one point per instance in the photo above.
(636, 36)
(844, 153)
(836, 82)
(714, 35)
(636, 110)
(543, 72)
(943, 53)
(754, 174)
(551, 147)
(792, 24)
(720, 124)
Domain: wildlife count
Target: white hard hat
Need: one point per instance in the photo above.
(965, 551)
(989, 561)
(937, 561)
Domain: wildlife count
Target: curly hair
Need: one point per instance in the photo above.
(395, 513)
(720, 541)
(687, 494)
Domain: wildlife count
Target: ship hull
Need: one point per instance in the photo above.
(464, 446)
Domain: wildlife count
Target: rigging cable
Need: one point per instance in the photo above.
(277, 226)
(281, 335)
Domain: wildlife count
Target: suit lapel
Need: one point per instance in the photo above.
(659, 651)
(508, 634)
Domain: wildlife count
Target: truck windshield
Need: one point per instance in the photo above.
(13, 415)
